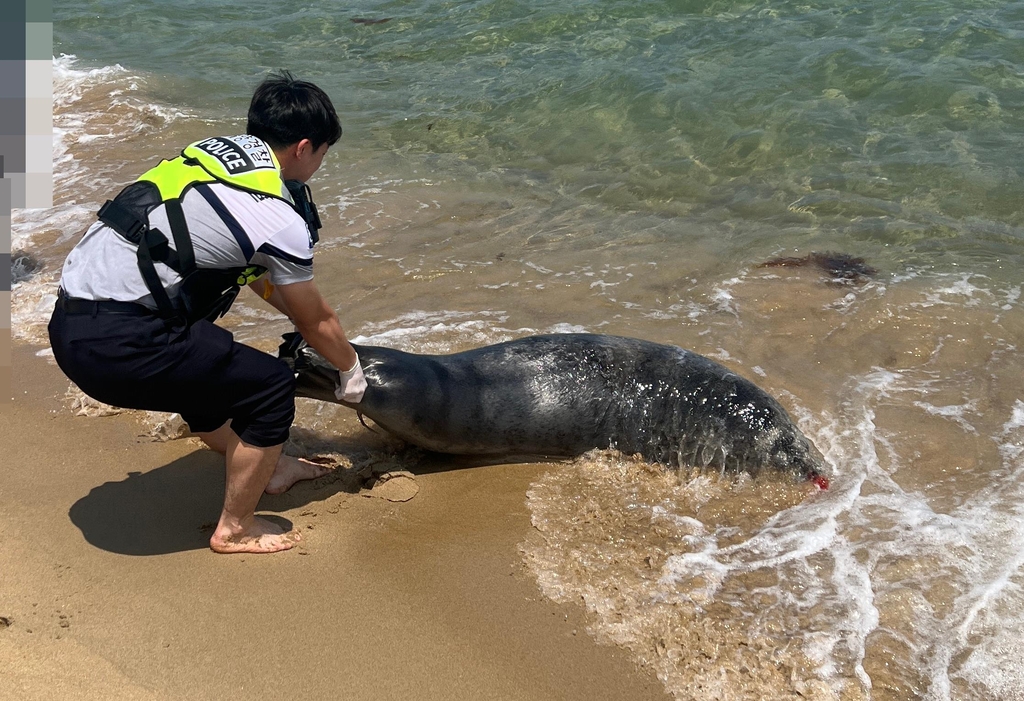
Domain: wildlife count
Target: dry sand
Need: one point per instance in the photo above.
(108, 590)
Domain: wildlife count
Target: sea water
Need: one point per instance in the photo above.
(627, 167)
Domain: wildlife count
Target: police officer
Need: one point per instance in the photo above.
(132, 325)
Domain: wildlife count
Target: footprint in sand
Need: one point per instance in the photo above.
(393, 486)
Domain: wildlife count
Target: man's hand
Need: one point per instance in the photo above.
(351, 384)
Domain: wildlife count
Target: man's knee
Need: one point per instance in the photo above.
(272, 410)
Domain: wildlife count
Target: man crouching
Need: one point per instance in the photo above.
(133, 323)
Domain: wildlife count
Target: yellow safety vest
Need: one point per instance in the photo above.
(243, 162)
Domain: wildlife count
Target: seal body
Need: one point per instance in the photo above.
(564, 394)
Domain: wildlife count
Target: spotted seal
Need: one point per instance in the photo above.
(564, 394)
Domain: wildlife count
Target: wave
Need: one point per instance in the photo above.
(95, 111)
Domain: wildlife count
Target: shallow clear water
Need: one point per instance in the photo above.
(625, 167)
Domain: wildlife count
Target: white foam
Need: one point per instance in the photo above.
(1016, 420)
(444, 331)
(979, 547)
(77, 191)
(418, 321)
(955, 412)
(565, 327)
(872, 556)
(539, 268)
(722, 297)
(31, 305)
(969, 294)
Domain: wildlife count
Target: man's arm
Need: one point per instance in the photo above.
(269, 293)
(315, 320)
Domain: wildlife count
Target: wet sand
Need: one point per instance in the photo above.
(108, 590)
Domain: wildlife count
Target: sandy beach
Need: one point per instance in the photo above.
(109, 591)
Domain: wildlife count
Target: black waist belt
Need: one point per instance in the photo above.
(73, 305)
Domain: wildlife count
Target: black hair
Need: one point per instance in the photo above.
(285, 110)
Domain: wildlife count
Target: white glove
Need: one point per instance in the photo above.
(351, 384)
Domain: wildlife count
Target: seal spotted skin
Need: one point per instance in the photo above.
(564, 394)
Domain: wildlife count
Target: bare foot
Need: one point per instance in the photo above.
(260, 536)
(290, 470)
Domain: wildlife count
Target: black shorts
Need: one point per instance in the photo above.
(144, 362)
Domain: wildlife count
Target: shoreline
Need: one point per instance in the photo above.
(105, 561)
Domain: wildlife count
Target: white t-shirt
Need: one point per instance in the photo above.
(229, 228)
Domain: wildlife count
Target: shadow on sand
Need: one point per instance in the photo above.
(174, 508)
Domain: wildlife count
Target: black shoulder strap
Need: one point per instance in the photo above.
(303, 203)
(150, 275)
(186, 258)
(153, 247)
(121, 219)
(128, 215)
(153, 242)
